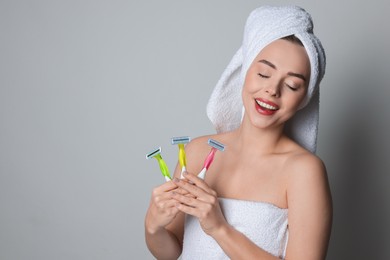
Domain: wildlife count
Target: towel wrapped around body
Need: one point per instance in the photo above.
(263, 223)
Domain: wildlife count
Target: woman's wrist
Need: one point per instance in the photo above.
(152, 229)
(221, 232)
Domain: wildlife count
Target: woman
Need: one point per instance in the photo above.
(267, 195)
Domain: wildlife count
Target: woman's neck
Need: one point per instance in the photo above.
(259, 141)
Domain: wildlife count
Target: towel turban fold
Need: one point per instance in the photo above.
(263, 26)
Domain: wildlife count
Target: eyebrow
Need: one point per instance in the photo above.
(266, 62)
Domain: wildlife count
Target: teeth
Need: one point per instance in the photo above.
(265, 105)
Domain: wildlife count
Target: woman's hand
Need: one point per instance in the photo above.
(164, 223)
(200, 201)
(162, 209)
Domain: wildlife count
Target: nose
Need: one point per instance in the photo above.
(273, 89)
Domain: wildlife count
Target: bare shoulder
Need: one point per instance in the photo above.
(304, 165)
(198, 142)
(309, 206)
(197, 146)
(307, 182)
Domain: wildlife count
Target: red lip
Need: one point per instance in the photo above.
(264, 111)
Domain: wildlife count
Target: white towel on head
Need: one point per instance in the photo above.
(265, 25)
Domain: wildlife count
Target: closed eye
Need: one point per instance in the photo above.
(291, 87)
(263, 76)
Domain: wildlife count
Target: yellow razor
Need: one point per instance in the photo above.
(181, 141)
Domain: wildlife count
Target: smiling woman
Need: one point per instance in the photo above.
(267, 196)
(276, 80)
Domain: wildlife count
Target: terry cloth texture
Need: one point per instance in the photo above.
(263, 223)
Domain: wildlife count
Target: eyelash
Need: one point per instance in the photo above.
(266, 77)
(293, 89)
(263, 76)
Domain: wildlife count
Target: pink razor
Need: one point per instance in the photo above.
(210, 157)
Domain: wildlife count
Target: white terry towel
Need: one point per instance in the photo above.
(264, 224)
(263, 26)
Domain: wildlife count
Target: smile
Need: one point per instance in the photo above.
(266, 105)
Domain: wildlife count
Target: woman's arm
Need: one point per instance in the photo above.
(309, 208)
(164, 223)
(237, 246)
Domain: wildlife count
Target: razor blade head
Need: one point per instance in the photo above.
(216, 144)
(153, 153)
(181, 140)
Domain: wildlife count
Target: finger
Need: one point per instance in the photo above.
(183, 192)
(165, 207)
(202, 194)
(198, 196)
(159, 198)
(189, 188)
(167, 186)
(197, 181)
(188, 210)
(167, 204)
(190, 201)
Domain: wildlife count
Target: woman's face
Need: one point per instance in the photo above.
(276, 83)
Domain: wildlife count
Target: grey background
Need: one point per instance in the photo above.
(87, 88)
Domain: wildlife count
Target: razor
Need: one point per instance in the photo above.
(163, 166)
(215, 146)
(181, 141)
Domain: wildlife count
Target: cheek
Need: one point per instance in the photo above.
(297, 100)
(246, 96)
(250, 84)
